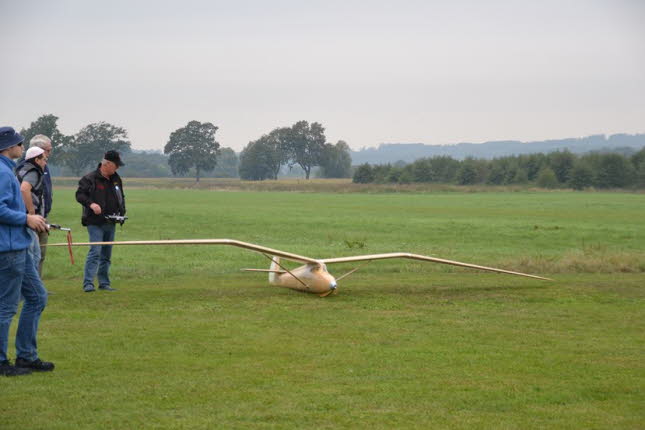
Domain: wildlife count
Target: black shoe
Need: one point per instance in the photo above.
(36, 365)
(7, 369)
(106, 288)
(88, 288)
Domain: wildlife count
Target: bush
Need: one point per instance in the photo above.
(547, 179)
(363, 174)
(581, 176)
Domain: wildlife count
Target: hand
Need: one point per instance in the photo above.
(37, 223)
(96, 208)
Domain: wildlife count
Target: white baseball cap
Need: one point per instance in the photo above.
(34, 152)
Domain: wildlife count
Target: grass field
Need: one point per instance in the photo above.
(190, 342)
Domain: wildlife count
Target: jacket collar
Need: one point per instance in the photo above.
(98, 174)
(8, 161)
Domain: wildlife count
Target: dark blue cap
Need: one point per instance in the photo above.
(9, 138)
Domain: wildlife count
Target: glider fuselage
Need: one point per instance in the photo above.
(311, 278)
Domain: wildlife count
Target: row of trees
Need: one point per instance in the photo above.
(193, 150)
(553, 170)
(302, 144)
(81, 150)
(190, 149)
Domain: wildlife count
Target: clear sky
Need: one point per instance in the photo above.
(371, 72)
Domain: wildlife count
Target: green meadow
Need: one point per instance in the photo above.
(190, 342)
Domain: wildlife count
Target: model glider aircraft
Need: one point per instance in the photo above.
(312, 276)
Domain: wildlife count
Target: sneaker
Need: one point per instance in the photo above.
(106, 288)
(7, 369)
(36, 365)
(88, 288)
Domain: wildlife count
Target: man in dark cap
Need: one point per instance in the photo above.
(101, 194)
(18, 274)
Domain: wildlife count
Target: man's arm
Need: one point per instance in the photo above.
(83, 195)
(16, 217)
(25, 191)
(123, 197)
(49, 192)
(8, 215)
(83, 192)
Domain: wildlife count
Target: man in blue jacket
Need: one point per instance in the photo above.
(18, 275)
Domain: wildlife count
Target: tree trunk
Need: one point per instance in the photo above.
(197, 176)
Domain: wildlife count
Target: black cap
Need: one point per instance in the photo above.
(114, 157)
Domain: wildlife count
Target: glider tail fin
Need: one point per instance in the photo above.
(275, 267)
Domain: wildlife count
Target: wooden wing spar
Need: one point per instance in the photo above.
(313, 276)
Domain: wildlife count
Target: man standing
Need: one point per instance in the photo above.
(18, 275)
(45, 143)
(32, 186)
(101, 194)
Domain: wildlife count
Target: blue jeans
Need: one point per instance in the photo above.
(97, 263)
(18, 275)
(34, 248)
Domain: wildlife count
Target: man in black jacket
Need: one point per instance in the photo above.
(101, 194)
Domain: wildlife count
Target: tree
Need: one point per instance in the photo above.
(255, 163)
(227, 164)
(498, 172)
(561, 162)
(263, 158)
(421, 170)
(581, 175)
(91, 142)
(380, 173)
(444, 168)
(614, 171)
(363, 174)
(467, 174)
(547, 179)
(638, 158)
(192, 146)
(336, 161)
(640, 175)
(305, 145)
(532, 163)
(47, 125)
(146, 164)
(275, 143)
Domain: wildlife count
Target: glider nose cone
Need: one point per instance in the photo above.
(332, 285)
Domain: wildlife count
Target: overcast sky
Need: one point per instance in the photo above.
(371, 72)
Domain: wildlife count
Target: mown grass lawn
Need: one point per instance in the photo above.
(190, 342)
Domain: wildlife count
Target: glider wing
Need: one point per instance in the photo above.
(251, 246)
(425, 258)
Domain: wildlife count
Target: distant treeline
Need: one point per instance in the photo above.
(409, 152)
(302, 149)
(554, 170)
